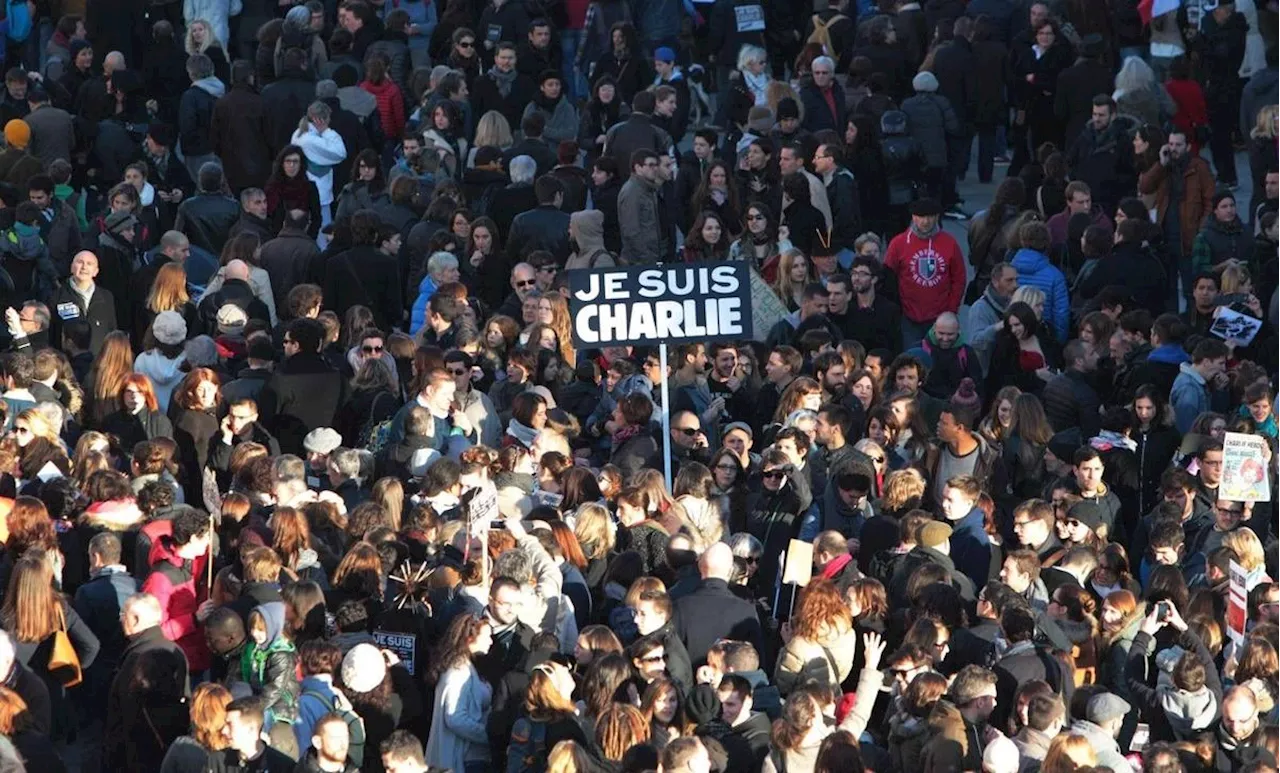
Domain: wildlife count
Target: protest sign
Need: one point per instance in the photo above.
(1244, 469)
(668, 304)
(1237, 608)
(405, 645)
(767, 309)
(1234, 326)
(798, 569)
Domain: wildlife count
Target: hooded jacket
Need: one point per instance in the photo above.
(165, 373)
(971, 547)
(195, 116)
(1035, 270)
(173, 581)
(1106, 748)
(590, 251)
(1174, 714)
(24, 256)
(930, 271)
(269, 668)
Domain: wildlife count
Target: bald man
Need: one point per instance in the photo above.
(166, 666)
(713, 610)
(235, 290)
(947, 359)
(1239, 736)
(82, 299)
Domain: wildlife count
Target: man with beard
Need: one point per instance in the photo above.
(1102, 156)
(828, 370)
(725, 379)
(780, 369)
(1183, 186)
(1241, 738)
(877, 320)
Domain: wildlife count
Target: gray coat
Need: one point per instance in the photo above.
(638, 219)
(53, 134)
(562, 123)
(931, 120)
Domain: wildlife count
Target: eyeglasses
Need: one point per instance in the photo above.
(1230, 511)
(1020, 524)
(371, 349)
(727, 467)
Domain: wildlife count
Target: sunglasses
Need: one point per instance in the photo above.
(454, 372)
(877, 459)
(466, 44)
(756, 217)
(688, 431)
(653, 659)
(526, 283)
(772, 474)
(371, 349)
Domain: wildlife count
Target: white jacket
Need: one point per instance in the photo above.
(321, 149)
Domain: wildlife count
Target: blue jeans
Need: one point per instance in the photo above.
(570, 43)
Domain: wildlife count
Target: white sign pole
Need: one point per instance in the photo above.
(666, 414)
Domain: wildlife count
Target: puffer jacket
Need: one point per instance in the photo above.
(173, 582)
(1035, 270)
(390, 105)
(804, 659)
(270, 669)
(1218, 242)
(932, 120)
(907, 738)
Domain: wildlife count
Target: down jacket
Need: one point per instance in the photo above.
(931, 120)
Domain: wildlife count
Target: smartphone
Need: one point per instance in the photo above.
(1163, 609)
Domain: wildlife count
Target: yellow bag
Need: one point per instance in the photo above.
(64, 663)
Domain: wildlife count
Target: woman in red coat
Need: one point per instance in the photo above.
(1192, 117)
(387, 93)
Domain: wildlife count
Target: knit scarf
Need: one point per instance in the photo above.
(623, 434)
(525, 436)
(504, 80)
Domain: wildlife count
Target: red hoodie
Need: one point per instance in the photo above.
(178, 586)
(931, 274)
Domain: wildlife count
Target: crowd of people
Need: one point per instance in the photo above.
(301, 469)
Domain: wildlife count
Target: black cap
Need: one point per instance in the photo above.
(1086, 512)
(926, 207)
(37, 94)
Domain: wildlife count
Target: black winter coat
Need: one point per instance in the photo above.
(286, 102)
(100, 314)
(303, 394)
(233, 291)
(288, 259)
(712, 612)
(955, 67)
(1069, 401)
(239, 135)
(1077, 86)
(128, 710)
(774, 517)
(192, 431)
(991, 63)
(195, 114)
(206, 220)
(132, 429)
(365, 276)
(486, 96)
(544, 228)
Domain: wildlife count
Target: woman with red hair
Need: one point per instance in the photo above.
(194, 412)
(822, 640)
(139, 416)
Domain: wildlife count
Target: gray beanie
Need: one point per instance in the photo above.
(924, 81)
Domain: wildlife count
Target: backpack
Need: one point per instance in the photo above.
(19, 21)
(375, 437)
(822, 34)
(355, 724)
(527, 752)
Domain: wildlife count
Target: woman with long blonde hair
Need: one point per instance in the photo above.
(594, 529)
(208, 720)
(563, 325)
(549, 710)
(492, 129)
(569, 757)
(1263, 141)
(111, 367)
(1251, 555)
(793, 274)
(168, 293)
(619, 727)
(32, 613)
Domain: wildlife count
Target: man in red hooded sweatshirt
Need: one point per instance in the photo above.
(178, 565)
(930, 270)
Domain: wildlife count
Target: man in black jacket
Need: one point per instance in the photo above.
(290, 259)
(1069, 399)
(502, 88)
(305, 392)
(195, 113)
(532, 144)
(240, 425)
(1024, 661)
(163, 661)
(287, 99)
(933, 546)
(544, 228)
(82, 299)
(1102, 155)
(713, 612)
(207, 217)
(1079, 83)
(238, 131)
(368, 274)
(235, 290)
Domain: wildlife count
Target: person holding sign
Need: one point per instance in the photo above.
(774, 511)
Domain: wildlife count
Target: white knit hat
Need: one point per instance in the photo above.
(169, 328)
(363, 668)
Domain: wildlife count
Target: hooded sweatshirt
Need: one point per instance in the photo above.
(590, 251)
(165, 374)
(1189, 397)
(269, 667)
(31, 268)
(931, 273)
